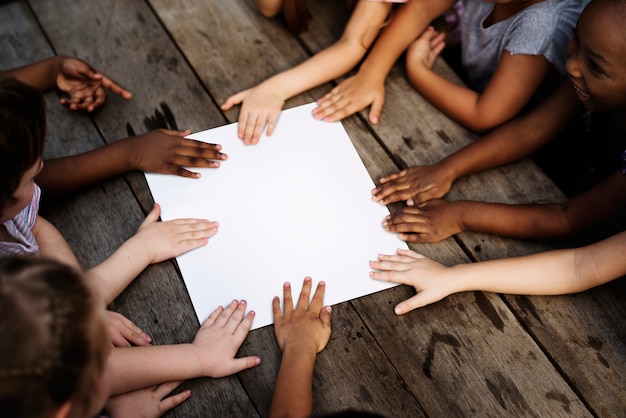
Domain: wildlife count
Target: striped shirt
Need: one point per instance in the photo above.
(21, 228)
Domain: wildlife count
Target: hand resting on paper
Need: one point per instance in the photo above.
(415, 185)
(411, 268)
(432, 221)
(220, 337)
(168, 152)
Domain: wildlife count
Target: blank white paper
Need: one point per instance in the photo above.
(296, 204)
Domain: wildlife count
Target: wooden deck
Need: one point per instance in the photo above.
(473, 354)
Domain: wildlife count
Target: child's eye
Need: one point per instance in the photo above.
(594, 67)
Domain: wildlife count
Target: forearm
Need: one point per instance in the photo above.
(115, 273)
(519, 137)
(41, 75)
(325, 66)
(547, 273)
(407, 22)
(455, 101)
(342, 56)
(293, 396)
(139, 367)
(52, 244)
(532, 221)
(66, 174)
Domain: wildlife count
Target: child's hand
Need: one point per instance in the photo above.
(123, 332)
(169, 239)
(426, 48)
(432, 221)
(219, 339)
(260, 106)
(413, 269)
(352, 95)
(85, 86)
(415, 185)
(308, 326)
(168, 152)
(150, 402)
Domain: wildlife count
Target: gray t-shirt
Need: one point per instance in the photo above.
(543, 28)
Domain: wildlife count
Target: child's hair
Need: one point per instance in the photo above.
(297, 15)
(54, 338)
(22, 134)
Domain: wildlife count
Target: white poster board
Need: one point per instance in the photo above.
(297, 204)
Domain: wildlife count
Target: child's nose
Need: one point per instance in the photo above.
(571, 65)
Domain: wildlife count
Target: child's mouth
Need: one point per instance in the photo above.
(582, 96)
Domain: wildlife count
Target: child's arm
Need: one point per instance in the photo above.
(510, 142)
(161, 151)
(84, 85)
(301, 334)
(437, 219)
(52, 244)
(367, 87)
(150, 402)
(154, 242)
(262, 104)
(512, 85)
(212, 353)
(548, 273)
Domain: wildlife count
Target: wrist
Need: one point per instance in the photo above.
(127, 153)
(299, 348)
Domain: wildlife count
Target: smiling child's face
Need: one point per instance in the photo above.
(23, 193)
(597, 57)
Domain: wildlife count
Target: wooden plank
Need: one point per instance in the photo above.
(567, 332)
(585, 336)
(157, 301)
(240, 18)
(351, 374)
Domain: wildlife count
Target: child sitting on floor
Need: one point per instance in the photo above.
(56, 359)
(597, 83)
(161, 151)
(508, 48)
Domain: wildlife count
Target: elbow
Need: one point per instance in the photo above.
(269, 8)
(483, 124)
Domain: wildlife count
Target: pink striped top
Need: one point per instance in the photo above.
(21, 228)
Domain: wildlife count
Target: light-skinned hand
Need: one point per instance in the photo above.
(219, 338)
(124, 332)
(260, 106)
(85, 86)
(411, 268)
(150, 402)
(415, 185)
(168, 152)
(169, 239)
(351, 96)
(431, 221)
(308, 325)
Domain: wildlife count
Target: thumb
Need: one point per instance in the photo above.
(244, 363)
(154, 214)
(420, 300)
(232, 101)
(376, 109)
(325, 315)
